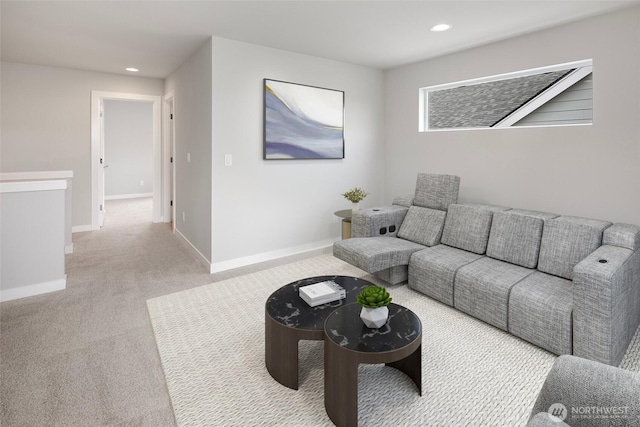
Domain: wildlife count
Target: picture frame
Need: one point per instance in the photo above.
(302, 122)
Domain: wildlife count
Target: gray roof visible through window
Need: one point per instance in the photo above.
(482, 105)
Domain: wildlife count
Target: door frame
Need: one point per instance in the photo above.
(97, 171)
(169, 149)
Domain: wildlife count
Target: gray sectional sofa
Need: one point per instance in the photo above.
(567, 284)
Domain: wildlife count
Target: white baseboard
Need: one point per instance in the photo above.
(81, 228)
(68, 249)
(254, 259)
(31, 290)
(128, 196)
(205, 262)
(269, 256)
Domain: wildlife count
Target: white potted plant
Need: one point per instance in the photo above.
(374, 301)
(355, 196)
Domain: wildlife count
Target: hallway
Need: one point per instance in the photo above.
(86, 355)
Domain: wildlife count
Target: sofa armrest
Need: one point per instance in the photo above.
(606, 303)
(593, 394)
(374, 222)
(623, 235)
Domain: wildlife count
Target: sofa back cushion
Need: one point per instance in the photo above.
(467, 227)
(566, 241)
(422, 225)
(515, 238)
(406, 200)
(436, 191)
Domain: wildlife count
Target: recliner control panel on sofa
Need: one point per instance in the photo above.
(567, 284)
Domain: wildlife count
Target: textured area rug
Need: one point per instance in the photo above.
(211, 343)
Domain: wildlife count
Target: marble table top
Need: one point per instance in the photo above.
(344, 327)
(285, 305)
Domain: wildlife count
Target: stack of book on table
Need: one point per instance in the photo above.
(322, 293)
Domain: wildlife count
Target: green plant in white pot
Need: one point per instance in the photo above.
(355, 196)
(374, 301)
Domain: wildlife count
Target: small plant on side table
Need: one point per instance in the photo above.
(374, 301)
(355, 196)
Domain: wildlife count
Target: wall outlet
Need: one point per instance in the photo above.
(228, 160)
(184, 217)
(141, 183)
(188, 157)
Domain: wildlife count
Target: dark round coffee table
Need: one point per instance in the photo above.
(288, 319)
(348, 343)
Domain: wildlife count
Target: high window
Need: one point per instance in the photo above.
(548, 96)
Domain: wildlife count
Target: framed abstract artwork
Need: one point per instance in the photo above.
(302, 122)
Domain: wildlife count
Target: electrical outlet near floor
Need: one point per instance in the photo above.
(141, 183)
(184, 218)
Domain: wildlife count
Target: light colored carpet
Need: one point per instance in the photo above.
(211, 344)
(86, 356)
(126, 212)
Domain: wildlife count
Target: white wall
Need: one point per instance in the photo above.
(262, 208)
(46, 122)
(191, 84)
(32, 238)
(128, 136)
(591, 171)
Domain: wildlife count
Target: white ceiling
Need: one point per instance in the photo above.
(158, 36)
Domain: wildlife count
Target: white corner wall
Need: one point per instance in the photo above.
(32, 238)
(265, 209)
(590, 171)
(46, 123)
(191, 84)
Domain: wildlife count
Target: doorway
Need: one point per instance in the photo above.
(98, 153)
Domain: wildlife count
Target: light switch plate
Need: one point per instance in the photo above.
(228, 160)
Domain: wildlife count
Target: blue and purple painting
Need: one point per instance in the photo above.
(302, 122)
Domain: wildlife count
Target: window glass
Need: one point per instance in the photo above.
(549, 96)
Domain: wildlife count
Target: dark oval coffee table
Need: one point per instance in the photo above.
(348, 343)
(288, 319)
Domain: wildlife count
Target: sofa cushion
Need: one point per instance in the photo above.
(406, 200)
(623, 235)
(482, 289)
(432, 270)
(537, 214)
(436, 191)
(467, 227)
(373, 254)
(540, 311)
(515, 238)
(422, 225)
(566, 241)
(493, 208)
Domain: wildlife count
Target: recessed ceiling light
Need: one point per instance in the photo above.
(440, 27)
(133, 70)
